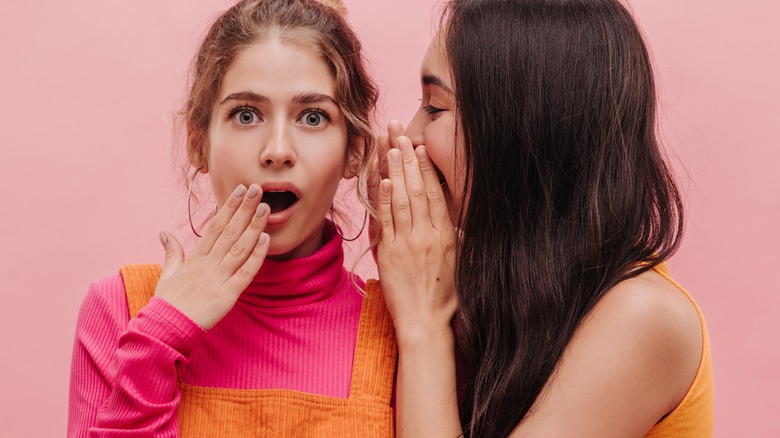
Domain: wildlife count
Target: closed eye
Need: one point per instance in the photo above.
(431, 110)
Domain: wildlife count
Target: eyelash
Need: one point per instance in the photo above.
(232, 113)
(241, 108)
(319, 111)
(432, 110)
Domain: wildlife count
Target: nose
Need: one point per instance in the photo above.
(278, 150)
(416, 128)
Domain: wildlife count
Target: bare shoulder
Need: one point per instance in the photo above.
(653, 311)
(651, 308)
(631, 362)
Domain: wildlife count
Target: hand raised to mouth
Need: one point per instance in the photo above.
(207, 284)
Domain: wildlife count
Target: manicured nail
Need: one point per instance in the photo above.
(252, 191)
(395, 156)
(239, 191)
(260, 210)
(385, 186)
(163, 239)
(261, 240)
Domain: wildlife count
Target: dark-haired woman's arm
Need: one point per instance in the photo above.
(415, 262)
(630, 363)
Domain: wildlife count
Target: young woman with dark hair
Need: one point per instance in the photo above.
(530, 199)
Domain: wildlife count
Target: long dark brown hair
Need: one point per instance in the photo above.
(568, 191)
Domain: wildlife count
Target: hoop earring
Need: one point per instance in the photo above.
(333, 219)
(189, 200)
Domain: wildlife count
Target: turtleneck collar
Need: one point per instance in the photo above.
(302, 281)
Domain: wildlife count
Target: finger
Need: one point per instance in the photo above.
(385, 142)
(174, 254)
(247, 271)
(242, 248)
(384, 210)
(437, 205)
(219, 221)
(402, 217)
(415, 187)
(238, 223)
(395, 129)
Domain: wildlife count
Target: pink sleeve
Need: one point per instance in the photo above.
(123, 374)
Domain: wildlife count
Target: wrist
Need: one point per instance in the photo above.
(422, 336)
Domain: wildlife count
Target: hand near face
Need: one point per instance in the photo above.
(208, 283)
(378, 172)
(415, 254)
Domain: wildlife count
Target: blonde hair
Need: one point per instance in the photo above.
(337, 5)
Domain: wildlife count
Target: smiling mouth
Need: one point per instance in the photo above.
(279, 201)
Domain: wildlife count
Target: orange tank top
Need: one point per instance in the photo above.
(693, 417)
(211, 412)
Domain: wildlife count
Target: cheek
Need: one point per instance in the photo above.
(439, 144)
(227, 159)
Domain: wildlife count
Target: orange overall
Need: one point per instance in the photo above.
(210, 412)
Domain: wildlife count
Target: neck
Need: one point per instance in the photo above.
(301, 281)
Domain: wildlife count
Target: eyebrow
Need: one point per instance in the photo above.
(246, 95)
(310, 98)
(304, 98)
(435, 80)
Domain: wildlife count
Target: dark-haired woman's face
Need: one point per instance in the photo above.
(434, 124)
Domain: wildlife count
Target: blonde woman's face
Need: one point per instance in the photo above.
(276, 124)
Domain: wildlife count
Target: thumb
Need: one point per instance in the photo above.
(174, 254)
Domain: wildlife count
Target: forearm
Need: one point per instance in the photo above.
(137, 392)
(427, 404)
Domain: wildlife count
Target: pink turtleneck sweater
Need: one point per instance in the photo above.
(294, 327)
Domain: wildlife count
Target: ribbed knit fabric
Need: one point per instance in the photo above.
(293, 329)
(209, 412)
(693, 417)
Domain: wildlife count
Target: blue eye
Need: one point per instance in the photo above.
(314, 118)
(245, 116)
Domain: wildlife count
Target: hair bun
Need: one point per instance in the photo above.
(336, 5)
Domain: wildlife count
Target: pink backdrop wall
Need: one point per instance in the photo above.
(88, 92)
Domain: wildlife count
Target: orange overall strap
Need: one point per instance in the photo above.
(376, 350)
(140, 282)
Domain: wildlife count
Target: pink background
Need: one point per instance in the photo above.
(89, 89)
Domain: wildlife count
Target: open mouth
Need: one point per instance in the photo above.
(279, 201)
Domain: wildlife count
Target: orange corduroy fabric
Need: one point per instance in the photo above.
(211, 412)
(693, 417)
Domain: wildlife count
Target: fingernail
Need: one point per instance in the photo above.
(385, 186)
(261, 240)
(395, 156)
(260, 210)
(252, 191)
(422, 155)
(404, 144)
(163, 239)
(239, 191)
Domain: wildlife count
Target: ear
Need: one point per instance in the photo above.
(196, 148)
(355, 155)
